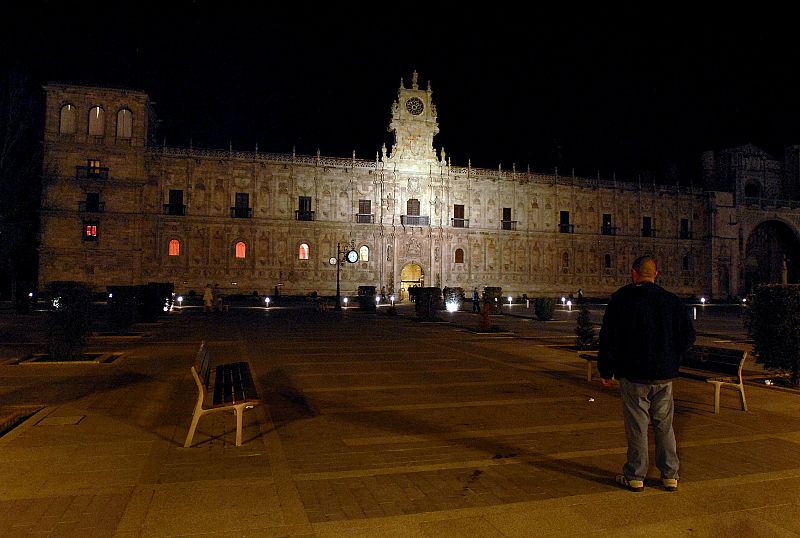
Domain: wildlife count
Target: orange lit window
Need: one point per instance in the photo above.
(174, 248)
(241, 249)
(97, 119)
(303, 251)
(67, 123)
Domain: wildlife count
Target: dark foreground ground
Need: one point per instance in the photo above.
(373, 425)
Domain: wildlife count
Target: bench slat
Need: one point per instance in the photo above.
(233, 383)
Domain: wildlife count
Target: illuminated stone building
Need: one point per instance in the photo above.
(120, 209)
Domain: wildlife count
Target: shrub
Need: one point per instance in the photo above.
(69, 321)
(584, 331)
(121, 308)
(428, 303)
(775, 328)
(453, 296)
(492, 298)
(544, 307)
(366, 298)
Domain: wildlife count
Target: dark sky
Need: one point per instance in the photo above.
(632, 92)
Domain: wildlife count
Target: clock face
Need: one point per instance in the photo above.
(352, 256)
(415, 106)
(332, 261)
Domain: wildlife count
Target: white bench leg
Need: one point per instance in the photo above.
(744, 401)
(239, 410)
(190, 435)
(717, 386)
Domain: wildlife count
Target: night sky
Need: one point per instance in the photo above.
(628, 93)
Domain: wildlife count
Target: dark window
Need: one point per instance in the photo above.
(507, 223)
(242, 199)
(607, 261)
(752, 190)
(364, 212)
(685, 233)
(563, 223)
(92, 203)
(458, 216)
(175, 205)
(304, 208)
(685, 263)
(647, 227)
(607, 228)
(459, 257)
(412, 207)
(241, 208)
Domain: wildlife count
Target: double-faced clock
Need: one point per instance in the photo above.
(415, 106)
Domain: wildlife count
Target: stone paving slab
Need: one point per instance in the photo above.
(375, 426)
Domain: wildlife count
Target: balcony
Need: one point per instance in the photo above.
(508, 224)
(608, 230)
(648, 232)
(365, 218)
(303, 215)
(91, 207)
(566, 228)
(242, 212)
(459, 223)
(91, 172)
(685, 234)
(414, 220)
(175, 210)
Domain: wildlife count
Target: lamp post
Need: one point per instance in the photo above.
(349, 254)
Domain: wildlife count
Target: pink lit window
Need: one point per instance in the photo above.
(91, 231)
(241, 249)
(303, 251)
(174, 248)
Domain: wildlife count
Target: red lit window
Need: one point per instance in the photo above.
(90, 231)
(174, 247)
(241, 249)
(303, 251)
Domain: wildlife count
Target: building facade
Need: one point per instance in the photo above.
(119, 209)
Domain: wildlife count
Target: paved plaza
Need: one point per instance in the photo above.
(376, 425)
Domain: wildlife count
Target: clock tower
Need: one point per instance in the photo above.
(413, 123)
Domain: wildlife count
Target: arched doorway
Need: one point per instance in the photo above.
(770, 243)
(411, 275)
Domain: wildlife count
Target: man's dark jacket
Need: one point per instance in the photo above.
(646, 330)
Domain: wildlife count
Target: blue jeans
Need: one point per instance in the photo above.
(641, 404)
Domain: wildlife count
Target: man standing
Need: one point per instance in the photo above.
(646, 330)
(476, 301)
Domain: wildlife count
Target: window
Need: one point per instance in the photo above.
(67, 120)
(174, 247)
(241, 208)
(364, 211)
(412, 207)
(458, 216)
(304, 208)
(303, 251)
(92, 203)
(752, 190)
(459, 256)
(564, 226)
(565, 260)
(647, 227)
(684, 232)
(124, 123)
(91, 230)
(507, 223)
(175, 205)
(241, 250)
(607, 261)
(363, 253)
(685, 263)
(97, 119)
(608, 229)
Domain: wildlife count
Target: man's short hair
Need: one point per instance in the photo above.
(645, 265)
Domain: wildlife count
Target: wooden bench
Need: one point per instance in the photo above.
(233, 390)
(719, 366)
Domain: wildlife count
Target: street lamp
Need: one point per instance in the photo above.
(347, 253)
(266, 300)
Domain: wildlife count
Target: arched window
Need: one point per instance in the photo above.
(412, 207)
(174, 247)
(459, 257)
(565, 260)
(303, 251)
(607, 261)
(752, 190)
(67, 120)
(124, 123)
(97, 121)
(241, 250)
(363, 253)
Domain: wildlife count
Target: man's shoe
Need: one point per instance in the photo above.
(631, 484)
(670, 484)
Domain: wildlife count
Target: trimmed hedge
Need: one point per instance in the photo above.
(69, 319)
(544, 307)
(775, 328)
(428, 303)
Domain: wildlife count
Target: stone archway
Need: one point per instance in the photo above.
(411, 275)
(768, 245)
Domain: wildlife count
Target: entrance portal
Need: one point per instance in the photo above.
(770, 245)
(410, 276)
